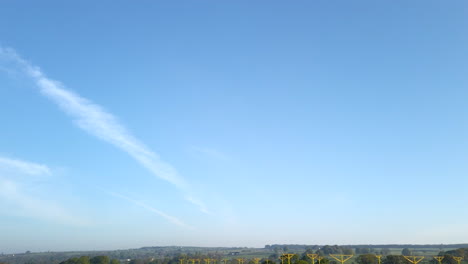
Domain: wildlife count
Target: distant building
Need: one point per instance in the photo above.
(234, 253)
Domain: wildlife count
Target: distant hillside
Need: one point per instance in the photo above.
(414, 246)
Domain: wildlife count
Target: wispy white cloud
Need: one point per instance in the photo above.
(93, 119)
(14, 194)
(210, 152)
(170, 218)
(23, 166)
(201, 205)
(31, 206)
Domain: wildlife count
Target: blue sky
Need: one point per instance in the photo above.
(232, 123)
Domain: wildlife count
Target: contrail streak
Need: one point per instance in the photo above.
(96, 121)
(169, 218)
(24, 166)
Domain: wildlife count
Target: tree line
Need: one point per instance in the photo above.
(301, 258)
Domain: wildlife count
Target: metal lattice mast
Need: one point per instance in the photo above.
(458, 259)
(379, 258)
(319, 258)
(312, 257)
(341, 258)
(439, 259)
(414, 259)
(289, 257)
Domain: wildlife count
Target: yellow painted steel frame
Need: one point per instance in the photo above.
(341, 258)
(458, 259)
(414, 259)
(289, 257)
(439, 258)
(312, 257)
(319, 258)
(379, 257)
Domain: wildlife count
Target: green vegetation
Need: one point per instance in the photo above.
(391, 254)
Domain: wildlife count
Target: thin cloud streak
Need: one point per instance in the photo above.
(210, 152)
(24, 167)
(98, 122)
(170, 218)
(12, 192)
(198, 203)
(29, 206)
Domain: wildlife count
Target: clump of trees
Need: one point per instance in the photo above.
(93, 260)
(406, 252)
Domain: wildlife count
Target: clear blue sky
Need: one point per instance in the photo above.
(232, 123)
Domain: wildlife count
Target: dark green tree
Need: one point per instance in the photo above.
(324, 261)
(99, 260)
(83, 260)
(326, 250)
(300, 261)
(385, 251)
(394, 259)
(362, 250)
(406, 252)
(366, 259)
(448, 259)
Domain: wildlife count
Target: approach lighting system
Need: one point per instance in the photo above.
(341, 258)
(414, 259)
(312, 257)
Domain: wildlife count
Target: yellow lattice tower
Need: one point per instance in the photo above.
(341, 258)
(379, 258)
(207, 261)
(319, 258)
(267, 261)
(256, 260)
(224, 260)
(289, 257)
(458, 259)
(282, 259)
(312, 257)
(181, 261)
(198, 261)
(414, 259)
(439, 259)
(240, 261)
